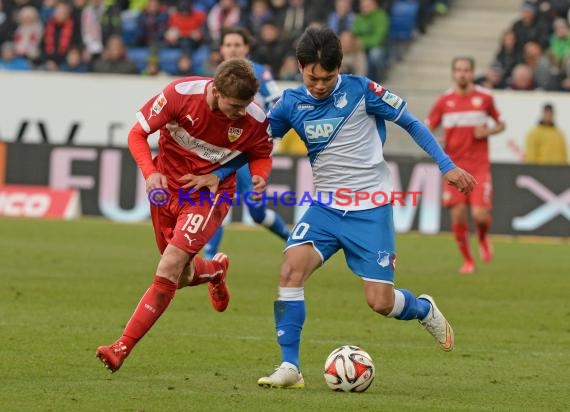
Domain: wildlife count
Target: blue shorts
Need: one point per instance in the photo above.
(365, 236)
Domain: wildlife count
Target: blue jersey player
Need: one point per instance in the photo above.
(235, 43)
(341, 119)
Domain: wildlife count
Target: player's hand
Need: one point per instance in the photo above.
(155, 181)
(209, 181)
(259, 186)
(462, 180)
(481, 132)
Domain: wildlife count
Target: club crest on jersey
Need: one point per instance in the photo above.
(158, 105)
(383, 258)
(234, 133)
(320, 131)
(340, 100)
(477, 101)
(376, 88)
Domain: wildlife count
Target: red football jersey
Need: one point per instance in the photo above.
(458, 116)
(194, 139)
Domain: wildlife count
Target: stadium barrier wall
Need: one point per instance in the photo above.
(527, 199)
(91, 109)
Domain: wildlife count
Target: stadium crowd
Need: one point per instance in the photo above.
(534, 52)
(181, 37)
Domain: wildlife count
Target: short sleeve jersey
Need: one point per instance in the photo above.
(196, 139)
(458, 116)
(344, 134)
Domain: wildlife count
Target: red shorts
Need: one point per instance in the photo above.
(482, 194)
(186, 226)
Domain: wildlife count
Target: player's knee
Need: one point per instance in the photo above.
(383, 307)
(290, 274)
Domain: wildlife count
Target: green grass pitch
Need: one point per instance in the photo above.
(67, 287)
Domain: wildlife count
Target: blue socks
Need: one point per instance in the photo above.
(413, 308)
(289, 320)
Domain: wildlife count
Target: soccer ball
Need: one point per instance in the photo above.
(349, 369)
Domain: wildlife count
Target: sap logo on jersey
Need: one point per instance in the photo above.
(319, 131)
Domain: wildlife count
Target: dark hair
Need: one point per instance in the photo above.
(320, 45)
(468, 59)
(235, 78)
(548, 106)
(241, 31)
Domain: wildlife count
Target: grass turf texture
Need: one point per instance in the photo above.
(68, 287)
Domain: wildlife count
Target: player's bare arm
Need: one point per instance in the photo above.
(209, 181)
(462, 180)
(259, 186)
(483, 132)
(155, 181)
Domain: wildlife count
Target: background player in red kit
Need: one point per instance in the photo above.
(203, 124)
(464, 112)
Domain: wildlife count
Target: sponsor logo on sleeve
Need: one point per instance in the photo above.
(392, 99)
(158, 105)
(376, 88)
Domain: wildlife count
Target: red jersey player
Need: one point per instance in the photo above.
(203, 124)
(464, 113)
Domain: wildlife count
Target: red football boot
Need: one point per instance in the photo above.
(113, 355)
(219, 293)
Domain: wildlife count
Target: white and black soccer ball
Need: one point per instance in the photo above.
(349, 369)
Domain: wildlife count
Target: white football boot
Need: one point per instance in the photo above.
(285, 376)
(436, 324)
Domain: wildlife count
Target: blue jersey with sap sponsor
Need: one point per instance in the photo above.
(344, 134)
(269, 91)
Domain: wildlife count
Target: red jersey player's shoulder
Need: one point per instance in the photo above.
(483, 90)
(448, 92)
(256, 112)
(189, 85)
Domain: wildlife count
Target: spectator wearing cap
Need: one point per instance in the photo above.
(545, 143)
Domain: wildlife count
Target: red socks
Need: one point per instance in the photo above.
(204, 271)
(482, 230)
(151, 306)
(461, 231)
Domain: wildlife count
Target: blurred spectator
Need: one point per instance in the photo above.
(9, 61)
(318, 10)
(111, 21)
(544, 78)
(545, 143)
(259, 14)
(91, 28)
(74, 62)
(152, 23)
(184, 66)
(289, 70)
(225, 14)
(7, 24)
(270, 50)
(295, 20)
(278, 9)
(114, 58)
(342, 18)
(507, 56)
(529, 28)
(371, 27)
(29, 33)
(152, 67)
(493, 77)
(522, 78)
(61, 33)
(47, 9)
(185, 27)
(214, 59)
(560, 43)
(354, 58)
